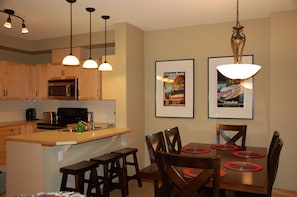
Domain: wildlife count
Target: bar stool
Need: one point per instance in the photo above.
(111, 169)
(78, 170)
(125, 152)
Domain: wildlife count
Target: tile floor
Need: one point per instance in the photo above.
(147, 190)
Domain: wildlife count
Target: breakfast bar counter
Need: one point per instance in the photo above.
(34, 160)
(62, 137)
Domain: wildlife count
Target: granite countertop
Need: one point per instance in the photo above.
(62, 137)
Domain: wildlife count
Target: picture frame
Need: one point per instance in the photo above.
(227, 98)
(174, 83)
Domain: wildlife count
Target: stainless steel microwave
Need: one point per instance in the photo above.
(64, 89)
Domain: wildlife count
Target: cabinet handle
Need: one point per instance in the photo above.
(68, 90)
(3, 93)
(6, 92)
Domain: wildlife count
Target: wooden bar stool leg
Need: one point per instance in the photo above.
(93, 181)
(79, 183)
(125, 175)
(106, 181)
(123, 184)
(137, 170)
(63, 182)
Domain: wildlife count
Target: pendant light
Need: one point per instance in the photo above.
(90, 63)
(238, 70)
(70, 60)
(105, 66)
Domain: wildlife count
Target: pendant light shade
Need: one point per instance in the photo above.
(70, 60)
(90, 63)
(105, 66)
(7, 24)
(238, 70)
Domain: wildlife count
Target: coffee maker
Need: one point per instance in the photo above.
(31, 114)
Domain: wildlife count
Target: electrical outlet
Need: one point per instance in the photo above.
(60, 155)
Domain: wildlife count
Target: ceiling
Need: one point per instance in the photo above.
(51, 18)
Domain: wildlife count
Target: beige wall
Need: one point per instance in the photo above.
(283, 93)
(130, 85)
(272, 42)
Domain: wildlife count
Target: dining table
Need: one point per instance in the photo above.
(242, 169)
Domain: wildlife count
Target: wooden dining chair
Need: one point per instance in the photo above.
(223, 131)
(155, 143)
(177, 184)
(273, 162)
(274, 139)
(173, 140)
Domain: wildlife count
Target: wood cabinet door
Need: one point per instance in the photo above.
(43, 70)
(29, 128)
(12, 81)
(34, 81)
(57, 71)
(89, 84)
(2, 74)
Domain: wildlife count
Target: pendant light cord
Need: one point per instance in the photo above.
(237, 14)
(70, 28)
(90, 55)
(105, 42)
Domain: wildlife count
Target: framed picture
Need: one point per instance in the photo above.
(175, 88)
(229, 98)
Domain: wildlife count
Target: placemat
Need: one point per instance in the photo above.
(243, 166)
(224, 147)
(248, 154)
(193, 172)
(195, 150)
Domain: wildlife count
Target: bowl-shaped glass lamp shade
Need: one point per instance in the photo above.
(239, 71)
(89, 63)
(70, 60)
(105, 67)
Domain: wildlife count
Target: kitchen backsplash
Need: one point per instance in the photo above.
(14, 110)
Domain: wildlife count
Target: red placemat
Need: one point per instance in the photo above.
(248, 154)
(193, 172)
(224, 147)
(194, 150)
(243, 166)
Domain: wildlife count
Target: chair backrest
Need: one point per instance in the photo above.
(224, 131)
(273, 163)
(274, 138)
(173, 140)
(155, 143)
(177, 184)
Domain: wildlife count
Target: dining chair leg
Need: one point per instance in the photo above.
(156, 188)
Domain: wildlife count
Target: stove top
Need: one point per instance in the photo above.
(65, 116)
(49, 126)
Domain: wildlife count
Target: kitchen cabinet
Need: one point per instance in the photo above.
(108, 78)
(29, 127)
(36, 81)
(58, 71)
(11, 80)
(89, 84)
(4, 132)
